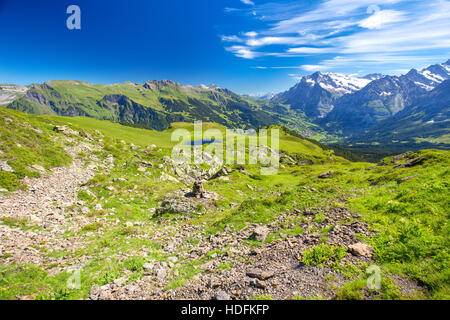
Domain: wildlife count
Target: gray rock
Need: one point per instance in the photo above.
(222, 295)
(38, 168)
(4, 166)
(259, 233)
(361, 249)
(260, 274)
(66, 131)
(326, 174)
(148, 267)
(160, 274)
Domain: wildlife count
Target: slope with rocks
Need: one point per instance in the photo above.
(137, 228)
(153, 105)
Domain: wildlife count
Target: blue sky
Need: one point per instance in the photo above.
(249, 46)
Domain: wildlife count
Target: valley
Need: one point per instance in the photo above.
(359, 113)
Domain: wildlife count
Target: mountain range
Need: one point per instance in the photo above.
(154, 104)
(376, 108)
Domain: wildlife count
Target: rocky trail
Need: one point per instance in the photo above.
(273, 269)
(47, 216)
(40, 215)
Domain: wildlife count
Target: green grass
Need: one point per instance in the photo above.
(323, 255)
(410, 219)
(26, 141)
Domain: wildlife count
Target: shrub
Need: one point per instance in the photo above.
(324, 255)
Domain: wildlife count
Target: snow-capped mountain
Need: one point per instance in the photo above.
(335, 82)
(383, 98)
(428, 78)
(315, 94)
(339, 83)
(427, 117)
(9, 92)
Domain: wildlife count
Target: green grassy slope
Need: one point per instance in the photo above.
(156, 104)
(410, 217)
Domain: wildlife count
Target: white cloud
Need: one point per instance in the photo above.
(382, 18)
(374, 60)
(310, 50)
(231, 39)
(251, 34)
(264, 41)
(243, 52)
(248, 2)
(358, 33)
(314, 67)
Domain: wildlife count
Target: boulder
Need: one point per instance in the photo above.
(4, 166)
(361, 249)
(65, 130)
(177, 205)
(401, 180)
(222, 295)
(167, 177)
(326, 174)
(259, 233)
(260, 274)
(38, 168)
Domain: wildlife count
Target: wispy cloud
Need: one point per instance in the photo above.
(333, 33)
(248, 2)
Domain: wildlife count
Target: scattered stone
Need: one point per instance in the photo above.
(414, 162)
(361, 249)
(98, 207)
(402, 156)
(222, 295)
(160, 274)
(258, 283)
(167, 177)
(66, 131)
(4, 166)
(148, 267)
(259, 233)
(223, 172)
(178, 205)
(326, 174)
(38, 168)
(109, 159)
(407, 178)
(260, 274)
(172, 259)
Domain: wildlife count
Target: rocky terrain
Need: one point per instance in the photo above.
(131, 223)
